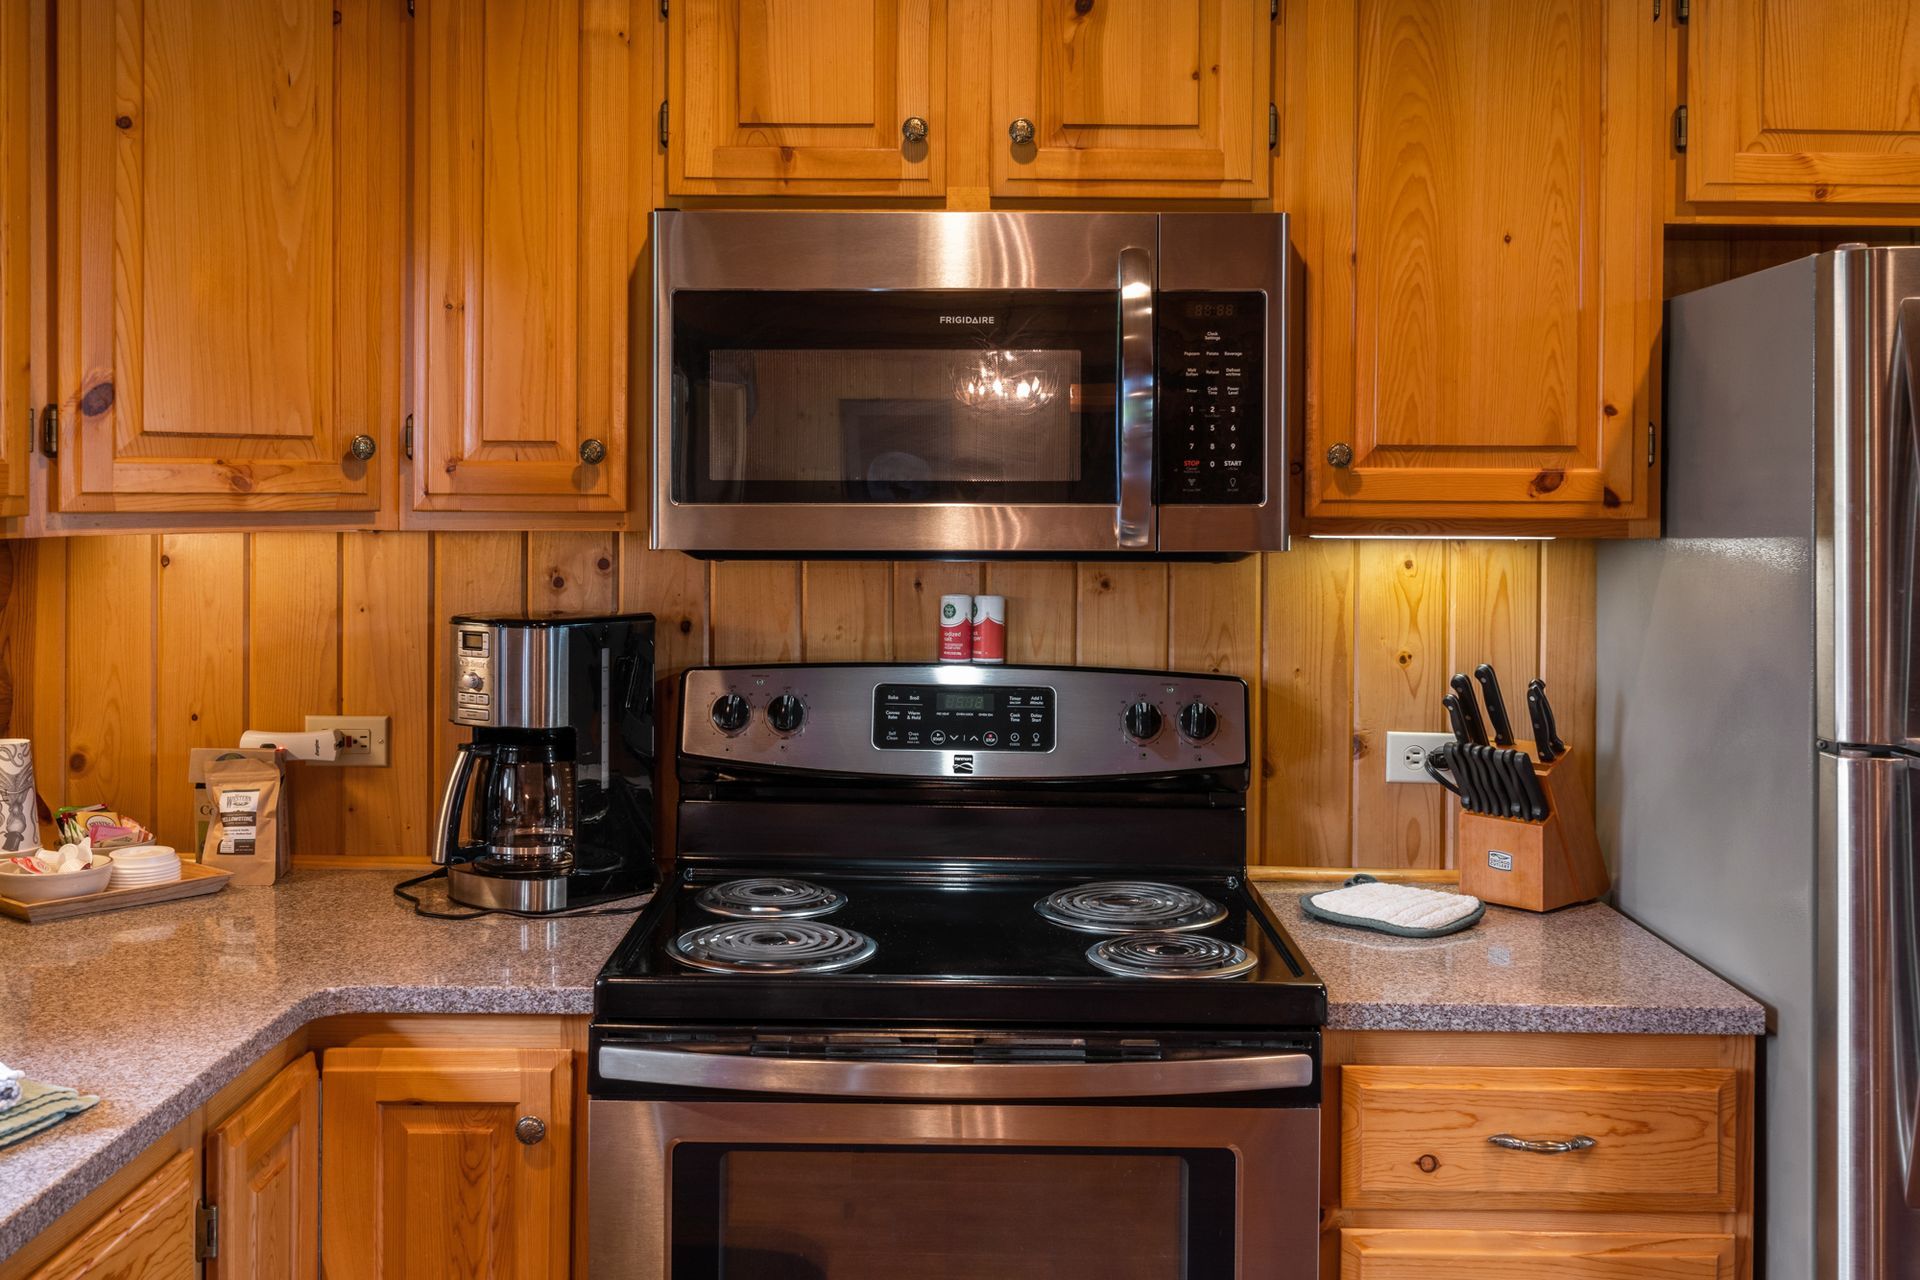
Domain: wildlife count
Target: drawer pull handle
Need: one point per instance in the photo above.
(1543, 1146)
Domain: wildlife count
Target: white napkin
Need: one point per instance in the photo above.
(9, 1086)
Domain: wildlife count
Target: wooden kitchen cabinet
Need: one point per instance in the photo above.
(229, 196)
(807, 97)
(18, 414)
(528, 225)
(1147, 98)
(149, 1235)
(447, 1161)
(1470, 183)
(263, 1175)
(1519, 1255)
(1806, 108)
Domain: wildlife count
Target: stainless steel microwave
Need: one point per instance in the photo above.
(972, 384)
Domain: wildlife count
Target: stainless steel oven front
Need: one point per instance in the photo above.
(754, 1159)
(952, 384)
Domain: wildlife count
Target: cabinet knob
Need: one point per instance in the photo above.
(1339, 455)
(592, 452)
(914, 129)
(362, 447)
(530, 1129)
(1021, 131)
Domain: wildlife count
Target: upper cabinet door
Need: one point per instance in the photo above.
(1803, 101)
(229, 197)
(526, 167)
(1474, 184)
(17, 413)
(806, 97)
(1131, 97)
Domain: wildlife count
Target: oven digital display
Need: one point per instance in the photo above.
(932, 717)
(949, 700)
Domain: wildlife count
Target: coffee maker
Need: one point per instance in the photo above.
(555, 792)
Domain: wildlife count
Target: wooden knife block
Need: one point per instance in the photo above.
(1536, 866)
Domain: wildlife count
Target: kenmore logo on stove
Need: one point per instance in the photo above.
(968, 319)
(963, 764)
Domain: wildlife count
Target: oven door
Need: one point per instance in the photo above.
(952, 1170)
(903, 383)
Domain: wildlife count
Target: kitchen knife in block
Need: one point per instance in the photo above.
(1537, 866)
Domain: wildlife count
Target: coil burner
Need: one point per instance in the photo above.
(770, 898)
(772, 946)
(1130, 906)
(1170, 955)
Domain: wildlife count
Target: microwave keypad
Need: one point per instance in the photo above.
(1212, 427)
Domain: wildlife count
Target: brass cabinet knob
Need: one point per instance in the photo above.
(592, 452)
(1340, 455)
(914, 129)
(1021, 131)
(362, 447)
(530, 1129)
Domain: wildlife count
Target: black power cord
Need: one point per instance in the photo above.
(440, 873)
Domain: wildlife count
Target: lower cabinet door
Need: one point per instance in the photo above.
(1527, 1255)
(147, 1236)
(446, 1162)
(263, 1175)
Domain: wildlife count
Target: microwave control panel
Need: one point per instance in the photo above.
(1212, 421)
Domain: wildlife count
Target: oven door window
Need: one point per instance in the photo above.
(948, 1213)
(894, 397)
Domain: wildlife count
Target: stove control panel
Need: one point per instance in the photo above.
(917, 717)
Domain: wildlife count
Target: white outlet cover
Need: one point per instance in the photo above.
(1407, 753)
(374, 727)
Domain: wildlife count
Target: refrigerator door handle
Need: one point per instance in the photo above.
(1903, 937)
(1904, 571)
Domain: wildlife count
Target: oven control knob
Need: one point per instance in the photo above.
(1143, 721)
(786, 713)
(731, 713)
(1198, 722)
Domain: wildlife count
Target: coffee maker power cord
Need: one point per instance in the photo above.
(440, 873)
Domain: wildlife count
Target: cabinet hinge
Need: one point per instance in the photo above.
(1682, 10)
(1656, 10)
(1273, 125)
(663, 124)
(663, 8)
(1651, 438)
(206, 1228)
(406, 438)
(50, 431)
(1273, 10)
(1680, 127)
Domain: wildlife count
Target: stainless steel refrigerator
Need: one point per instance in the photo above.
(1760, 727)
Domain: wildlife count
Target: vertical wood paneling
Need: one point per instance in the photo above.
(472, 573)
(1040, 610)
(293, 643)
(1493, 615)
(673, 588)
(1122, 615)
(33, 650)
(1214, 626)
(110, 673)
(385, 643)
(202, 665)
(1306, 691)
(1398, 679)
(917, 589)
(571, 573)
(846, 611)
(755, 611)
(1567, 641)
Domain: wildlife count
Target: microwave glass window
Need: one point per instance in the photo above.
(894, 397)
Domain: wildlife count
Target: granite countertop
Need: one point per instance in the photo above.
(1578, 969)
(155, 1009)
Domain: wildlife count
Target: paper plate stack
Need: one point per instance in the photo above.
(143, 865)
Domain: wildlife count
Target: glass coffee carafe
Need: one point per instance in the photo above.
(527, 809)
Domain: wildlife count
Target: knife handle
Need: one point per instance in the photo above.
(1553, 725)
(1469, 709)
(1496, 705)
(1542, 727)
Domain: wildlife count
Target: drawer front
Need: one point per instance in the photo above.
(1648, 1138)
(1527, 1255)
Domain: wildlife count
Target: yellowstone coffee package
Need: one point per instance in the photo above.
(244, 834)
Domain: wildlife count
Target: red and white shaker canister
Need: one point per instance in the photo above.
(989, 629)
(956, 628)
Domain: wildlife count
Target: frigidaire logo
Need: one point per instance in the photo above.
(967, 319)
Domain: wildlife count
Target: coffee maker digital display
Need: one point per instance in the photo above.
(551, 804)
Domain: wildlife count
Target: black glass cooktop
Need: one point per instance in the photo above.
(962, 949)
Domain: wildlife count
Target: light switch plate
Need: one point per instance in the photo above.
(1407, 755)
(366, 740)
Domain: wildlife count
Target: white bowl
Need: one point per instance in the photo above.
(25, 886)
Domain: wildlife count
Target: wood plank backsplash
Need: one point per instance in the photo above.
(120, 653)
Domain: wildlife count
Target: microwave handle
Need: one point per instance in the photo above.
(1133, 517)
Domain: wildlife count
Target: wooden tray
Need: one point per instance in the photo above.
(195, 881)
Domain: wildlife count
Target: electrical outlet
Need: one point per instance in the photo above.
(365, 740)
(1407, 755)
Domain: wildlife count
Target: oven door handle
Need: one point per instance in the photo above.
(1133, 522)
(954, 1081)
